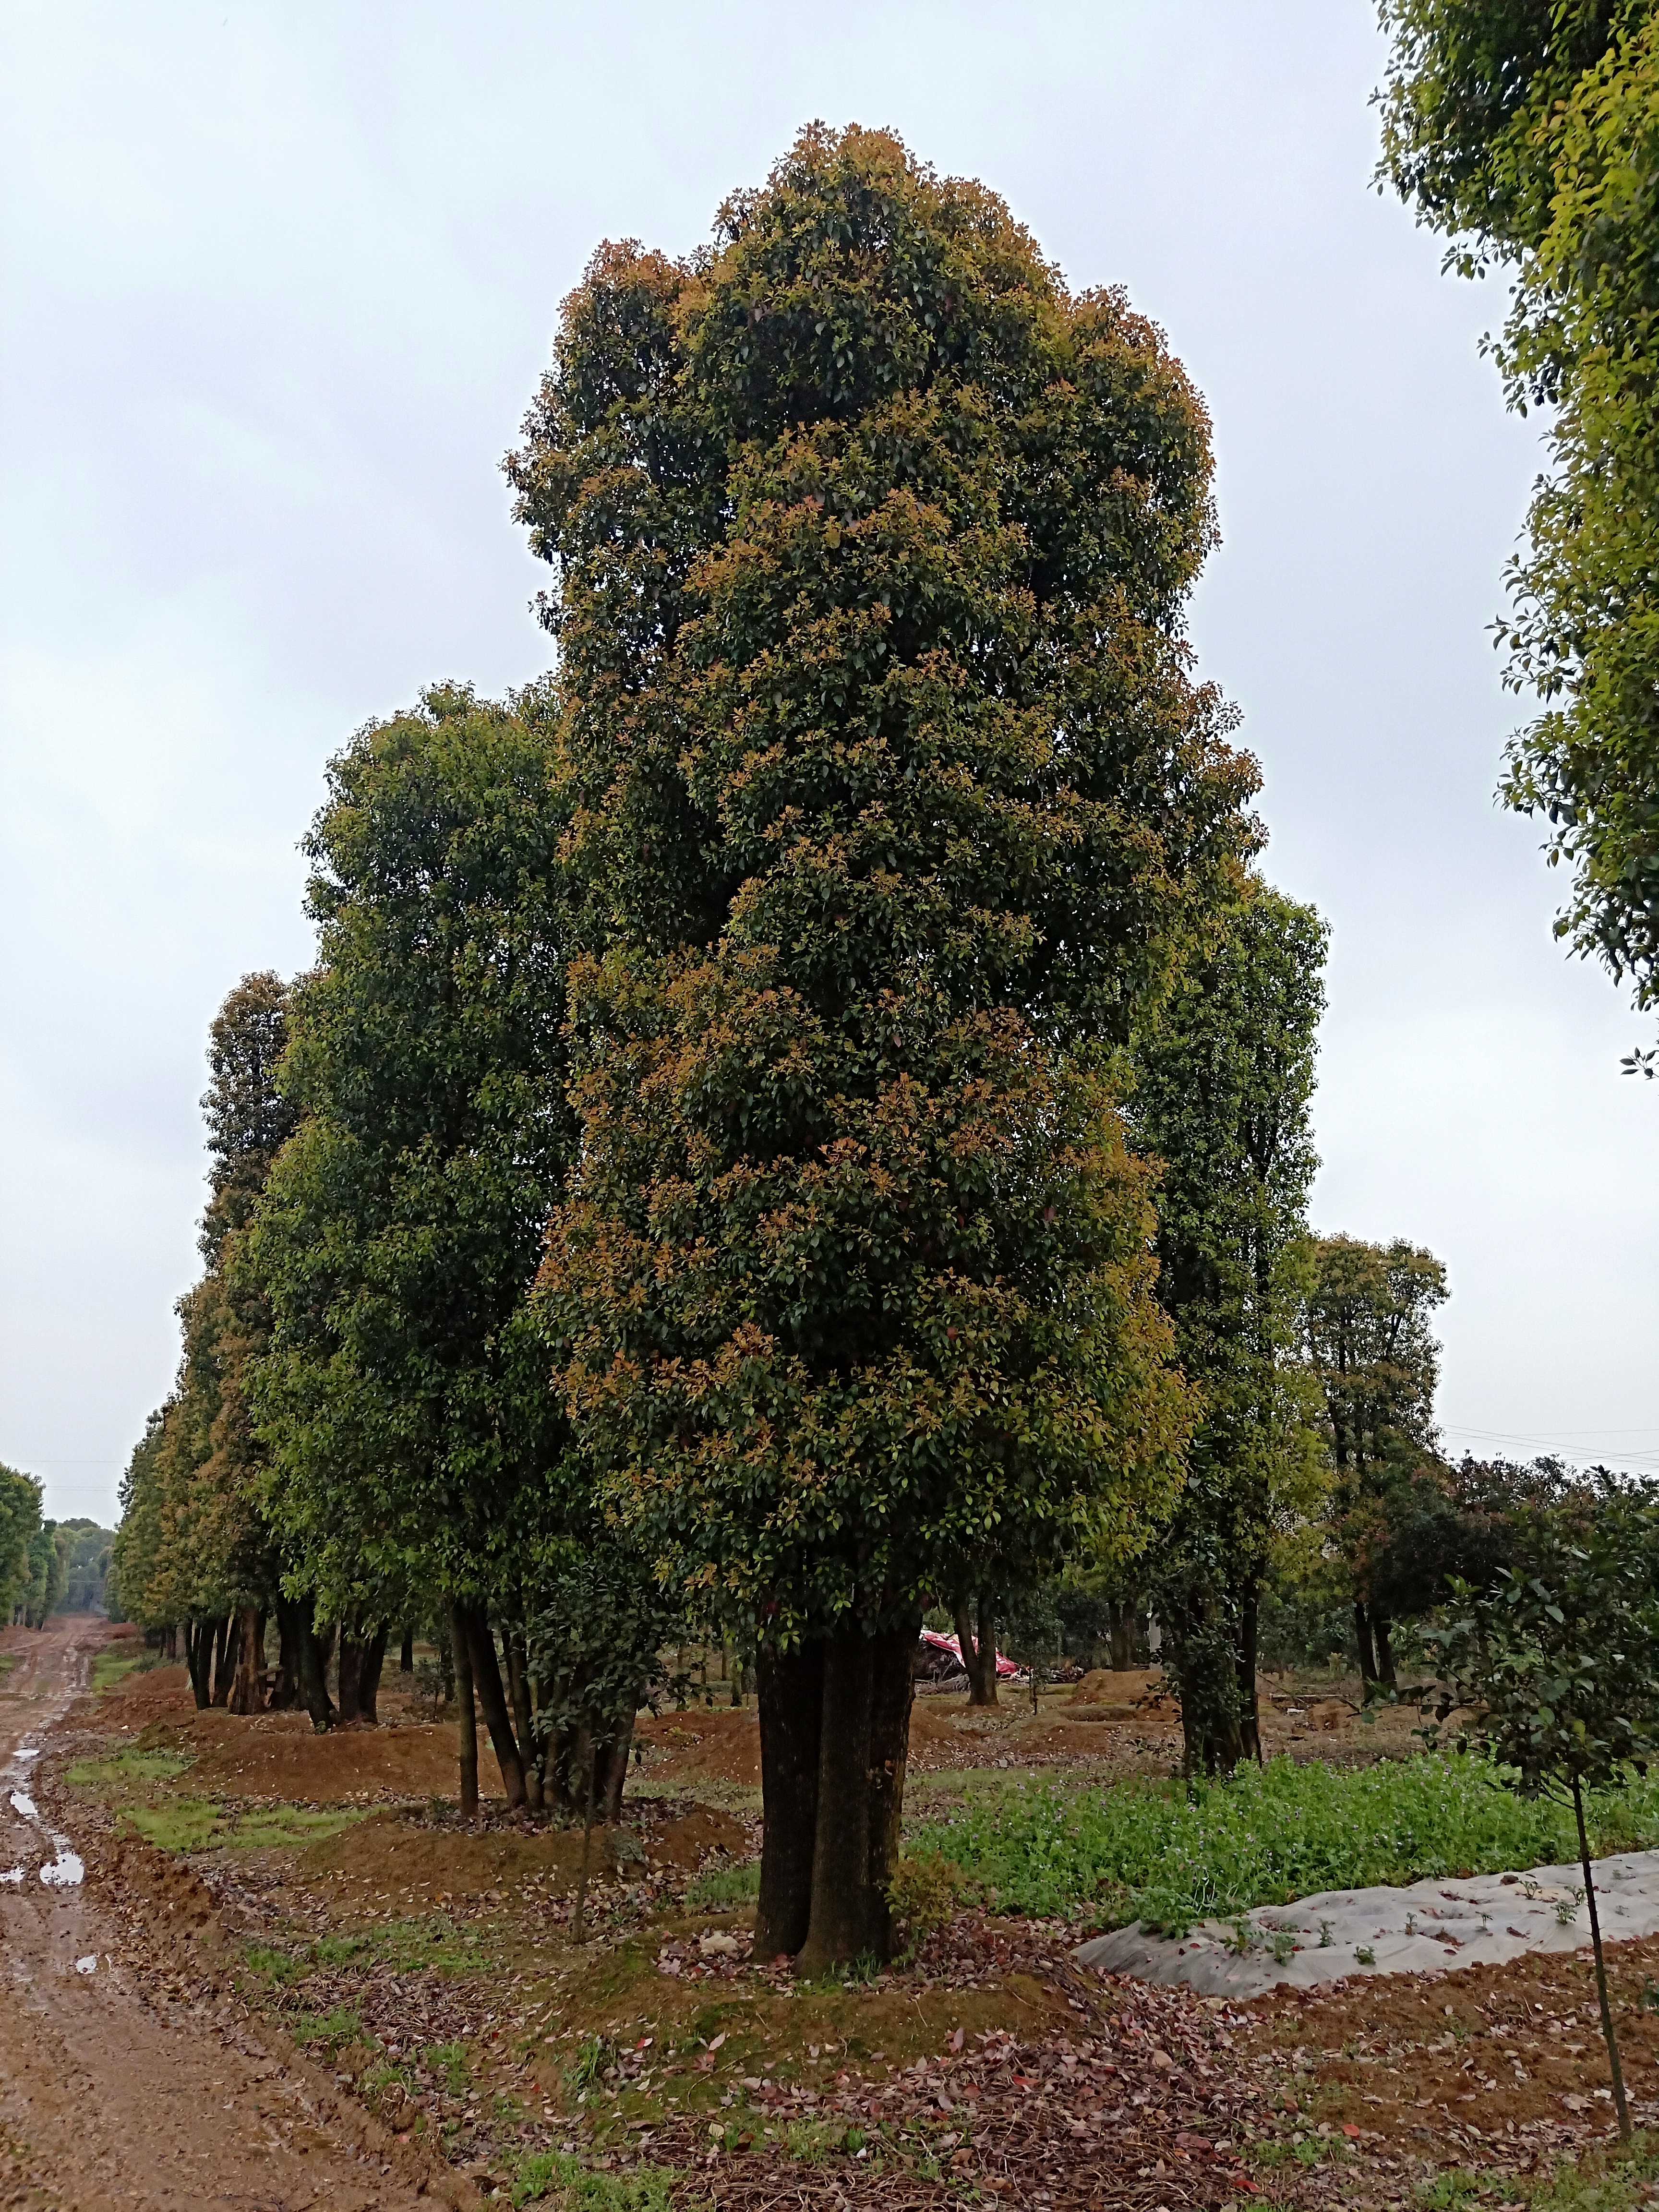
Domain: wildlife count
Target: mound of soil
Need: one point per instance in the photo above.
(701, 1745)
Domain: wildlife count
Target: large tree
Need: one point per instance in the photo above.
(895, 802)
(415, 1446)
(1529, 130)
(1222, 1100)
(1372, 1350)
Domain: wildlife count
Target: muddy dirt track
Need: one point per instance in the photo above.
(104, 2101)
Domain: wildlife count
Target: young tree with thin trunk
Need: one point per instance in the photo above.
(894, 800)
(1554, 1671)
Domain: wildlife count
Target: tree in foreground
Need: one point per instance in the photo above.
(1375, 1359)
(20, 1524)
(1555, 1670)
(1225, 1083)
(893, 802)
(1530, 133)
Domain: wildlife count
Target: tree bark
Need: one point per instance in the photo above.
(224, 1657)
(487, 1680)
(613, 1773)
(1620, 2108)
(892, 1693)
(840, 1928)
(361, 1658)
(1122, 1633)
(314, 1651)
(285, 1689)
(461, 1646)
(979, 1653)
(199, 1657)
(789, 1692)
(1250, 1710)
(518, 1685)
(247, 1689)
(406, 1653)
(1382, 1643)
(1361, 1633)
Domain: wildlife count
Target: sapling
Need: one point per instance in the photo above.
(1555, 1671)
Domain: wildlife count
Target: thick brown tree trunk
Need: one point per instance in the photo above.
(406, 1653)
(487, 1680)
(460, 1644)
(789, 1691)
(613, 1773)
(1382, 1643)
(839, 1928)
(979, 1653)
(314, 1653)
(892, 1693)
(361, 1661)
(1123, 1634)
(247, 1690)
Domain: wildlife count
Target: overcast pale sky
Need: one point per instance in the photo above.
(278, 281)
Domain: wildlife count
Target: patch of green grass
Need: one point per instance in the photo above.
(333, 2028)
(126, 1770)
(1613, 2180)
(114, 1665)
(550, 2174)
(281, 1969)
(1168, 1854)
(724, 1886)
(200, 1824)
(450, 2060)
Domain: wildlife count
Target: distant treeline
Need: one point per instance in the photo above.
(48, 1566)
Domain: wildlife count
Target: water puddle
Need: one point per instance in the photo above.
(65, 1869)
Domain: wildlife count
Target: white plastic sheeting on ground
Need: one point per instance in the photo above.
(1427, 1928)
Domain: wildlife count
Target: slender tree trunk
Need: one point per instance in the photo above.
(1620, 2108)
(1250, 1711)
(406, 1653)
(224, 1658)
(840, 1925)
(460, 1643)
(789, 1692)
(980, 1664)
(615, 1773)
(1382, 1643)
(487, 1681)
(1362, 1634)
(247, 1690)
(577, 1928)
(199, 1657)
(518, 1687)
(170, 1646)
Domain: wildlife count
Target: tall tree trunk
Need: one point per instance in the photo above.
(460, 1643)
(487, 1680)
(247, 1690)
(285, 1691)
(315, 1649)
(1250, 1710)
(613, 1773)
(1122, 1632)
(369, 1681)
(979, 1653)
(406, 1653)
(517, 1690)
(789, 1692)
(840, 1927)
(224, 1658)
(1382, 1643)
(1362, 1637)
(892, 1693)
(360, 1660)
(199, 1657)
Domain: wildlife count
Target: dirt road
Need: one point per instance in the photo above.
(104, 2103)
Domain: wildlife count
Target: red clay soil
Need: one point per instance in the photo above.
(281, 1756)
(108, 2099)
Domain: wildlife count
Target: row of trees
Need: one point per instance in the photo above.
(36, 1555)
(803, 1114)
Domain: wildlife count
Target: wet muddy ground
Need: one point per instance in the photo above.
(311, 1984)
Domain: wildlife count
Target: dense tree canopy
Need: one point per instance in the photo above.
(20, 1524)
(896, 802)
(1528, 129)
(1224, 1089)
